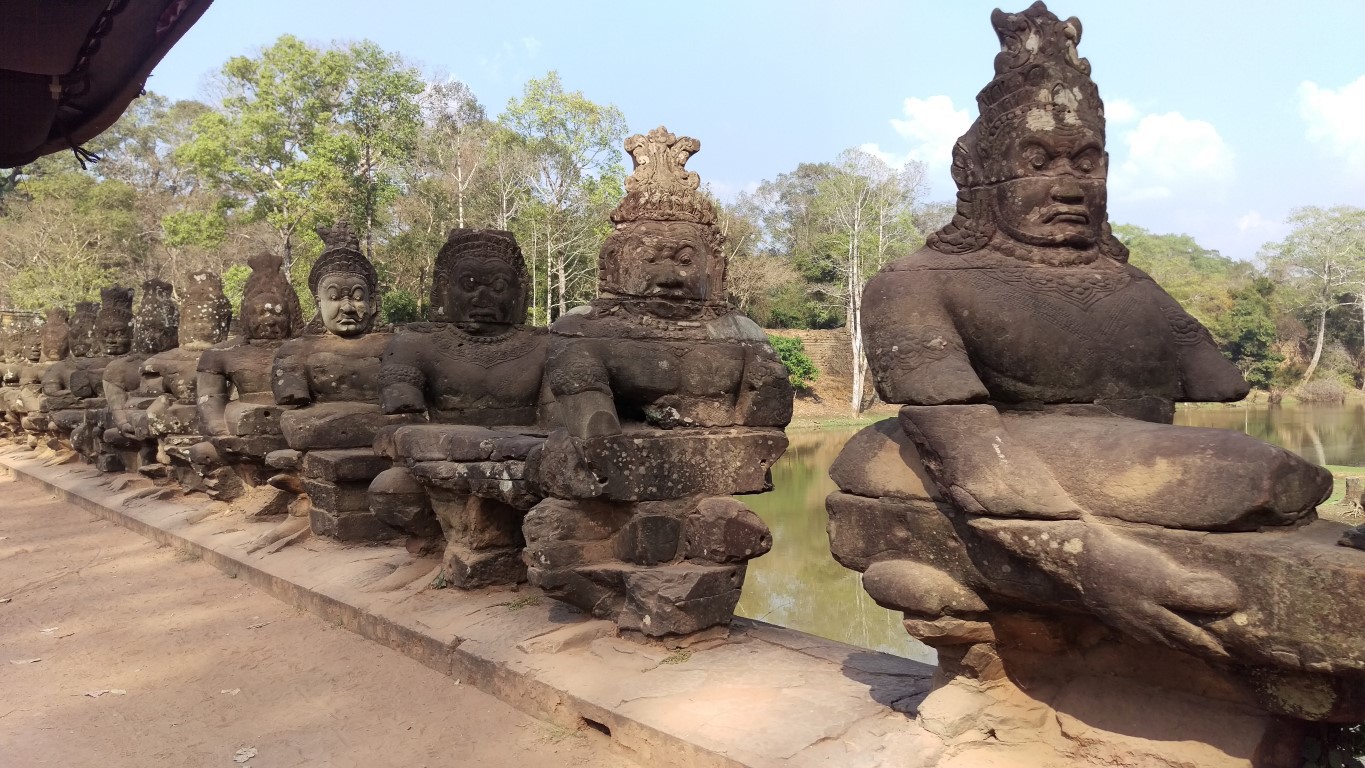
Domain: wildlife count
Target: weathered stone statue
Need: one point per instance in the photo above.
(82, 323)
(81, 379)
(66, 409)
(166, 380)
(237, 409)
(54, 346)
(1033, 511)
(476, 374)
(26, 348)
(671, 403)
(156, 329)
(332, 375)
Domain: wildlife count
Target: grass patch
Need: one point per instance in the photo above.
(522, 602)
(679, 656)
(1339, 475)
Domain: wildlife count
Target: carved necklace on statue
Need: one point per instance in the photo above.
(456, 343)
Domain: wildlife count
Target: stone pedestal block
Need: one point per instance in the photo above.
(655, 464)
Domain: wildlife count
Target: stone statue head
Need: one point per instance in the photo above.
(9, 339)
(344, 283)
(1031, 171)
(56, 341)
(666, 249)
(270, 308)
(156, 327)
(205, 313)
(83, 329)
(114, 323)
(31, 342)
(480, 282)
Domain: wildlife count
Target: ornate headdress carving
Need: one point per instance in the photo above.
(267, 283)
(205, 313)
(341, 255)
(156, 328)
(660, 188)
(56, 335)
(477, 243)
(83, 329)
(1040, 79)
(116, 310)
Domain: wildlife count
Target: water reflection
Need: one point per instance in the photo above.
(799, 585)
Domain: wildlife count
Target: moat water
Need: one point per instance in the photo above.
(799, 585)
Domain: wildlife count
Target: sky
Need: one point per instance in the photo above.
(1223, 116)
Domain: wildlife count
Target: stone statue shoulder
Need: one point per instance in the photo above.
(735, 326)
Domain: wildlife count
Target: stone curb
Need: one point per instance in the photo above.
(767, 696)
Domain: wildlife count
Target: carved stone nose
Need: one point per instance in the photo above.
(1068, 191)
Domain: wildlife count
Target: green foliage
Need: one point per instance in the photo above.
(1200, 279)
(1335, 746)
(574, 176)
(234, 282)
(801, 369)
(1246, 332)
(398, 307)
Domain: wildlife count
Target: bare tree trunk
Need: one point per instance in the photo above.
(1317, 348)
(855, 326)
(562, 274)
(459, 188)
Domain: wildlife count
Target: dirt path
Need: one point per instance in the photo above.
(195, 666)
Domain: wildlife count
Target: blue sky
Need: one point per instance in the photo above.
(1222, 115)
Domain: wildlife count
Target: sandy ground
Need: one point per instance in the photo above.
(190, 666)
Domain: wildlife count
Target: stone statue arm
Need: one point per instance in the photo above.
(581, 383)
(116, 400)
(765, 390)
(54, 381)
(213, 392)
(402, 382)
(912, 345)
(981, 467)
(1205, 375)
(289, 377)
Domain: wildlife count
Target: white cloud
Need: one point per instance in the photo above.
(1171, 154)
(1253, 221)
(932, 125)
(1120, 111)
(531, 44)
(1336, 119)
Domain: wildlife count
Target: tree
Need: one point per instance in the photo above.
(380, 118)
(576, 176)
(752, 274)
(272, 145)
(1202, 280)
(67, 235)
(868, 210)
(1322, 260)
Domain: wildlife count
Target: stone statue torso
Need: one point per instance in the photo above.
(245, 364)
(335, 369)
(470, 379)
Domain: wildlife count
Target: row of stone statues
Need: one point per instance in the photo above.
(597, 457)
(1032, 511)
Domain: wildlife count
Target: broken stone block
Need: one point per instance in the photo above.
(647, 464)
(286, 459)
(342, 466)
(398, 500)
(649, 539)
(724, 530)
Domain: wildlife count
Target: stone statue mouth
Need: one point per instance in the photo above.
(1066, 215)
